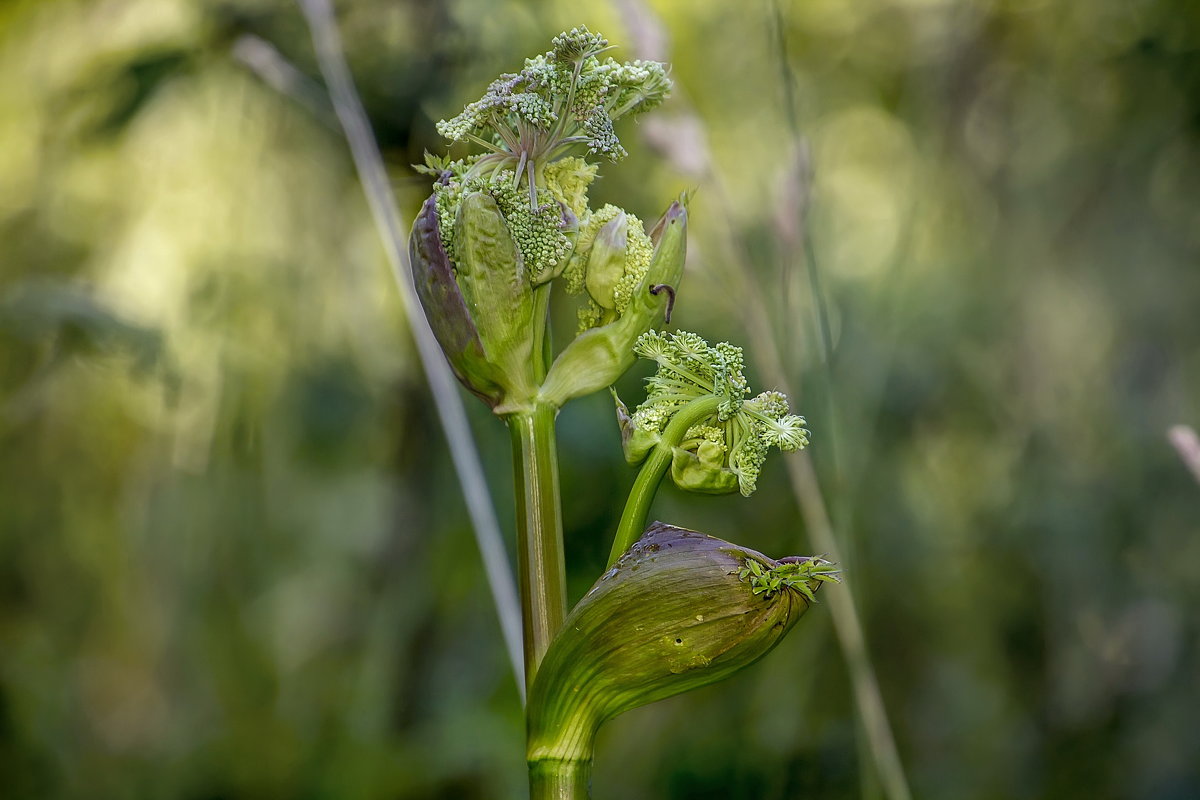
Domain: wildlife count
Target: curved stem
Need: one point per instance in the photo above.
(559, 780)
(541, 572)
(637, 507)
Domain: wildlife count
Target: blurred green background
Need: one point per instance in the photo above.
(234, 561)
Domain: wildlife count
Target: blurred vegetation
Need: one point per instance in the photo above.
(233, 558)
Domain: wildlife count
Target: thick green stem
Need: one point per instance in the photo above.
(541, 572)
(637, 507)
(559, 780)
(542, 351)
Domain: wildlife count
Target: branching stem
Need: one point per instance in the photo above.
(637, 507)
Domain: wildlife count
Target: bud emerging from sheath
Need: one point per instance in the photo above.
(630, 279)
(608, 258)
(722, 449)
(504, 223)
(480, 305)
(698, 462)
(679, 610)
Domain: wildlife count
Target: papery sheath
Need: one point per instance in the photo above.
(446, 310)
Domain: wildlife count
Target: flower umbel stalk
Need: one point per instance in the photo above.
(637, 507)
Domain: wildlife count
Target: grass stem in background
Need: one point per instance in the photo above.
(847, 625)
(806, 486)
(1187, 444)
(443, 386)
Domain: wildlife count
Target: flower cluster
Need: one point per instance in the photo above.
(611, 259)
(527, 122)
(726, 448)
(539, 232)
(805, 575)
(566, 97)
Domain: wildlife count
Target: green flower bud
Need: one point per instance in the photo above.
(679, 610)
(702, 471)
(636, 442)
(598, 356)
(698, 462)
(480, 306)
(606, 261)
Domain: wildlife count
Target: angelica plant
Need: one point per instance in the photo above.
(499, 230)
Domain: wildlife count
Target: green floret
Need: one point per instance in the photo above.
(589, 315)
(772, 403)
(706, 433)
(447, 197)
(575, 273)
(802, 574)
(591, 90)
(637, 86)
(600, 137)
(653, 417)
(746, 461)
(568, 181)
(776, 425)
(576, 44)
(511, 99)
(537, 232)
(691, 370)
(688, 367)
(639, 251)
(612, 256)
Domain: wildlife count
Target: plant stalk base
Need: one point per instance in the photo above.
(559, 780)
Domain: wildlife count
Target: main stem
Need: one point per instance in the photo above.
(559, 780)
(637, 507)
(541, 571)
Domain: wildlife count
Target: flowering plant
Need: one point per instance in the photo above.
(676, 609)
